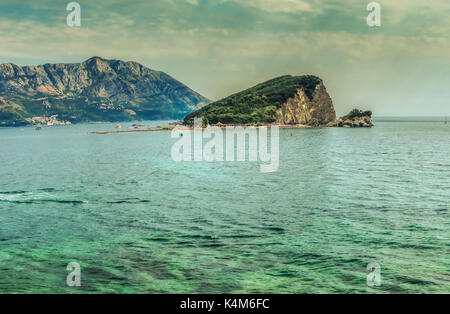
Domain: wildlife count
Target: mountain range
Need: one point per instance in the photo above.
(94, 90)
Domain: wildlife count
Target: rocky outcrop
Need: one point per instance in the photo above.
(302, 109)
(97, 89)
(355, 119)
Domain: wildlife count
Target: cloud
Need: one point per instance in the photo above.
(222, 46)
(278, 5)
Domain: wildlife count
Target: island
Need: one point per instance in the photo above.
(356, 118)
(292, 101)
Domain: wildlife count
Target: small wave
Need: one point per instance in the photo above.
(19, 192)
(241, 236)
(47, 190)
(212, 245)
(42, 201)
(21, 196)
(25, 196)
(414, 281)
(274, 229)
(13, 192)
(128, 201)
(38, 196)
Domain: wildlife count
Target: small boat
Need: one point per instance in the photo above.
(118, 126)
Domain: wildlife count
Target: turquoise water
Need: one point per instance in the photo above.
(138, 222)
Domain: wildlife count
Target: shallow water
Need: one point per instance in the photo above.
(136, 221)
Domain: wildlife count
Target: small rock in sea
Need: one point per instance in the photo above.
(355, 119)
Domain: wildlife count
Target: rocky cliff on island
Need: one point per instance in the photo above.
(314, 109)
(94, 90)
(355, 119)
(292, 100)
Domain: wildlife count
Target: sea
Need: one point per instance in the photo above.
(347, 211)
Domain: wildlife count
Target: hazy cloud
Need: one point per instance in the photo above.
(221, 46)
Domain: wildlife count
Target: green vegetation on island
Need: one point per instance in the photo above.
(256, 105)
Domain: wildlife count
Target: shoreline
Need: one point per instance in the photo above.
(204, 128)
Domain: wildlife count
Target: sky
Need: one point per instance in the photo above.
(218, 47)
